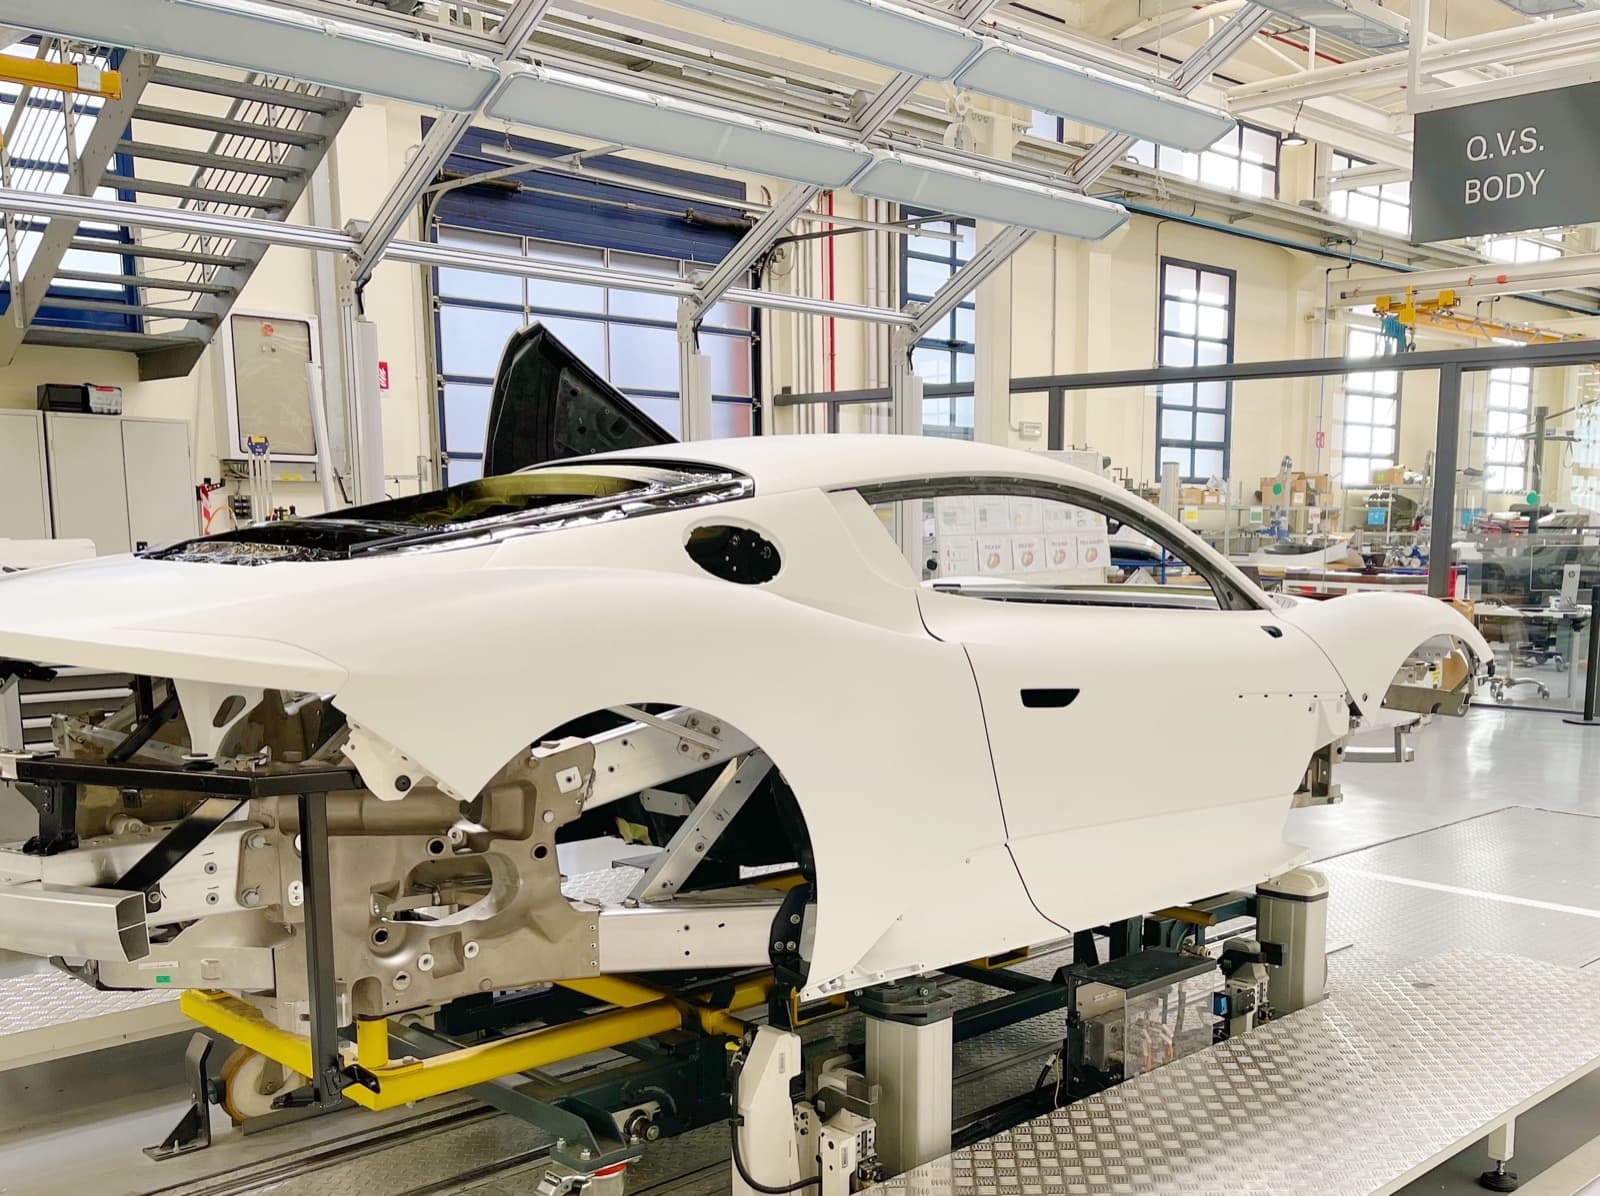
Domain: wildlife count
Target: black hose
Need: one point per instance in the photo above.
(738, 1162)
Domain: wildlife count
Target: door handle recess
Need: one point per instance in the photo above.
(1048, 699)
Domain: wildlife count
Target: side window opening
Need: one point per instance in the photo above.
(1009, 540)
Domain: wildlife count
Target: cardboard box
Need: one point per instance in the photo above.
(1394, 475)
(1192, 496)
(1212, 498)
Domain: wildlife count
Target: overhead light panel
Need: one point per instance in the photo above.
(871, 30)
(1348, 20)
(1548, 8)
(272, 40)
(549, 98)
(986, 195)
(1106, 101)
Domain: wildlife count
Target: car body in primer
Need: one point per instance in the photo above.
(631, 630)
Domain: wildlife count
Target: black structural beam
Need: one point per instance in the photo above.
(1579, 352)
(289, 781)
(1446, 442)
(1492, 357)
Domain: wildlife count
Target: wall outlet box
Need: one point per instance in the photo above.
(1030, 429)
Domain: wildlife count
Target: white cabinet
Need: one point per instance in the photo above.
(88, 491)
(24, 491)
(122, 482)
(159, 476)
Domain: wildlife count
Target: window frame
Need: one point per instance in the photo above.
(955, 348)
(1372, 191)
(1194, 445)
(1194, 555)
(529, 311)
(1373, 458)
(1525, 412)
(1166, 160)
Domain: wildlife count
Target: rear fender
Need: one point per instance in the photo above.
(1368, 637)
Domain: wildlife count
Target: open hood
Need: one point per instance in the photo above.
(548, 405)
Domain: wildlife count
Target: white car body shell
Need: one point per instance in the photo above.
(947, 820)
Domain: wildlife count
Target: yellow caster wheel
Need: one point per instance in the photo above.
(251, 1082)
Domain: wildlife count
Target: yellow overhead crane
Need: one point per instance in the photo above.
(1441, 313)
(79, 77)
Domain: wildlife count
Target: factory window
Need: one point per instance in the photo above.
(1522, 249)
(598, 221)
(1244, 161)
(946, 353)
(629, 338)
(1384, 206)
(1505, 454)
(1196, 329)
(1371, 412)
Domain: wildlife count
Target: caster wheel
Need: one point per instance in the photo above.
(1499, 1181)
(251, 1082)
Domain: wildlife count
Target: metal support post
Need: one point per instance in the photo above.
(694, 377)
(909, 1036)
(1446, 448)
(329, 1082)
(326, 275)
(360, 338)
(1541, 420)
(11, 713)
(1502, 1146)
(905, 414)
(1292, 915)
(1591, 680)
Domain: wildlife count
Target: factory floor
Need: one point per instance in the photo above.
(76, 1125)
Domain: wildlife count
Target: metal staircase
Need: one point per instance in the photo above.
(238, 146)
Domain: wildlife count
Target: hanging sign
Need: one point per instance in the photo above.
(1502, 166)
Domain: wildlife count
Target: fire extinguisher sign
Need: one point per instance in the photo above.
(383, 375)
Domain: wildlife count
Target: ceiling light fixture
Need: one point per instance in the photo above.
(1107, 101)
(273, 40)
(1348, 20)
(871, 30)
(549, 98)
(1293, 137)
(987, 195)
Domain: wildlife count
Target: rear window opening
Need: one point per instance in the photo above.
(533, 500)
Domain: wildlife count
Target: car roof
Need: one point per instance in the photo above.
(839, 462)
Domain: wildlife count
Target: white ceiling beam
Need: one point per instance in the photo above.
(1492, 278)
(1515, 84)
(1497, 47)
(1153, 30)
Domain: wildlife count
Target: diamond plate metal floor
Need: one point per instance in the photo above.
(46, 1015)
(1355, 1096)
